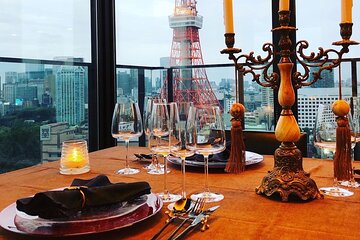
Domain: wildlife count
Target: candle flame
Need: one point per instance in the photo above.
(75, 155)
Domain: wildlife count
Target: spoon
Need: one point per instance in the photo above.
(181, 206)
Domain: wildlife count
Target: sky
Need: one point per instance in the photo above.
(44, 29)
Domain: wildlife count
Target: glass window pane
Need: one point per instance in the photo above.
(42, 29)
(321, 30)
(319, 25)
(149, 40)
(43, 102)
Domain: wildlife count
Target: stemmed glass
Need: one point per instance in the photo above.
(180, 137)
(325, 139)
(206, 136)
(126, 124)
(161, 128)
(155, 167)
(356, 117)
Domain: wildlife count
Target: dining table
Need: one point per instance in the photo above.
(242, 214)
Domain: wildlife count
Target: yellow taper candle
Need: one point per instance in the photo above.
(228, 16)
(346, 11)
(284, 5)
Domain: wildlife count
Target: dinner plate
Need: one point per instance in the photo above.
(250, 159)
(101, 220)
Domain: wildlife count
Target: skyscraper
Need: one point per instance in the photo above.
(70, 95)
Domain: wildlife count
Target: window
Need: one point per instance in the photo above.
(148, 42)
(44, 69)
(321, 28)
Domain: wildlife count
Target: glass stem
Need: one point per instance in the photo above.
(183, 192)
(127, 153)
(165, 178)
(206, 169)
(154, 161)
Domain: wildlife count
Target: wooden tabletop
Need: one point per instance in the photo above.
(243, 214)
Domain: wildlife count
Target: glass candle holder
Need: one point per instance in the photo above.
(74, 157)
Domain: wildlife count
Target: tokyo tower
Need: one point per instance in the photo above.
(190, 84)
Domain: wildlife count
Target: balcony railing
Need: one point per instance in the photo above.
(31, 147)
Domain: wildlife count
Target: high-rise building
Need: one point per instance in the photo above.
(267, 97)
(49, 83)
(70, 96)
(309, 100)
(39, 84)
(9, 91)
(25, 92)
(51, 137)
(35, 71)
(11, 77)
(127, 82)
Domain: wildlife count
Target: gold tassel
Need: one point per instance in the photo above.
(342, 158)
(236, 162)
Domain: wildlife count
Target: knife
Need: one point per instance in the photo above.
(194, 223)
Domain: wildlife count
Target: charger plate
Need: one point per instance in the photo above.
(250, 159)
(95, 221)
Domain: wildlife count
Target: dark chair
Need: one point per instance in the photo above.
(265, 142)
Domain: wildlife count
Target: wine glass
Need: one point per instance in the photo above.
(155, 167)
(180, 138)
(161, 128)
(356, 117)
(126, 124)
(325, 139)
(206, 137)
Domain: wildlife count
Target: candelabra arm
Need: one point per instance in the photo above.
(251, 64)
(321, 59)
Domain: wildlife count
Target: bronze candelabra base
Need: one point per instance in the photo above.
(288, 177)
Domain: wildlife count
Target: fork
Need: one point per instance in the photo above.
(196, 210)
(170, 220)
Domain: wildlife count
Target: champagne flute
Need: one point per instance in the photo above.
(126, 124)
(206, 137)
(161, 128)
(155, 167)
(325, 139)
(179, 138)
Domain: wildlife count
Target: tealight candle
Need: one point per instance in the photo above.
(74, 157)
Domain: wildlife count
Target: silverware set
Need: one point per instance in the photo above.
(195, 215)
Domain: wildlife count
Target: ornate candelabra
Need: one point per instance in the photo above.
(288, 177)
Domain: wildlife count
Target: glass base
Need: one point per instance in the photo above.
(158, 171)
(336, 192)
(208, 196)
(351, 184)
(128, 171)
(169, 197)
(73, 171)
(152, 166)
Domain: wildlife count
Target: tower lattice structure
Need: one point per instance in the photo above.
(190, 84)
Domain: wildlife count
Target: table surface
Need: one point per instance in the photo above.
(243, 214)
